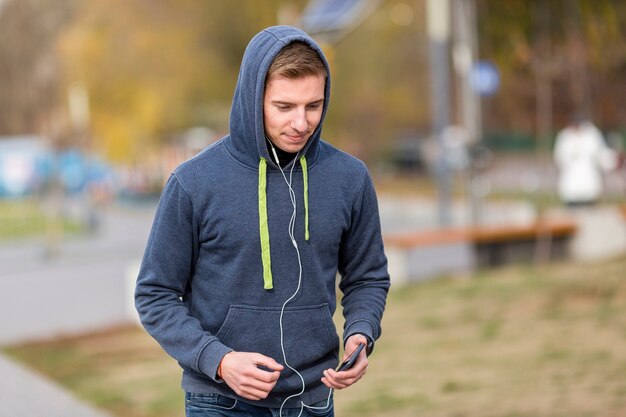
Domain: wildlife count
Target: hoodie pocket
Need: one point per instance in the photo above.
(309, 334)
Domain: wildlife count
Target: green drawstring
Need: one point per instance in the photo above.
(263, 227)
(305, 179)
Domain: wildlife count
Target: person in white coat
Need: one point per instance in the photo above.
(582, 156)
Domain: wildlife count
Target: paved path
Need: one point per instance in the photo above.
(87, 286)
(23, 393)
(80, 289)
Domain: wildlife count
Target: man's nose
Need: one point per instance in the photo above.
(299, 122)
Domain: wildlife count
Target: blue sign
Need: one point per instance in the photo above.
(484, 78)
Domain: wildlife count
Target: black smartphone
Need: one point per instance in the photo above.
(347, 364)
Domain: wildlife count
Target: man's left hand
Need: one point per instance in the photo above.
(343, 379)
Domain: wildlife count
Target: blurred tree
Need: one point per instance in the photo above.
(154, 68)
(380, 90)
(138, 61)
(29, 69)
(579, 46)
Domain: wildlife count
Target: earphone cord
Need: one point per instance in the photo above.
(292, 223)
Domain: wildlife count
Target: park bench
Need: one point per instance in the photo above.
(424, 254)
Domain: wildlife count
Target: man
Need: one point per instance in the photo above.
(582, 156)
(238, 278)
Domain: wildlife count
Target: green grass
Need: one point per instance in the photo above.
(519, 341)
(25, 218)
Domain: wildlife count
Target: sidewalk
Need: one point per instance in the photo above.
(23, 393)
(81, 289)
(84, 288)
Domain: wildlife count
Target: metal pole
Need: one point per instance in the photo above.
(464, 54)
(438, 29)
(465, 51)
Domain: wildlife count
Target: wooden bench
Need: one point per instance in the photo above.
(481, 246)
(522, 243)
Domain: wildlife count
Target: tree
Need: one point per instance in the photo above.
(579, 46)
(29, 68)
(155, 68)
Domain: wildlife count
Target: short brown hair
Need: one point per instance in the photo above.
(297, 60)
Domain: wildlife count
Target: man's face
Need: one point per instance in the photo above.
(292, 109)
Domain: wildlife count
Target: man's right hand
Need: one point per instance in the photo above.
(240, 370)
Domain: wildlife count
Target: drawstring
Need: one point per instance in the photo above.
(305, 179)
(263, 225)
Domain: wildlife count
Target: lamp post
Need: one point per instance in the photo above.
(438, 30)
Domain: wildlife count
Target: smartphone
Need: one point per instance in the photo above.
(347, 364)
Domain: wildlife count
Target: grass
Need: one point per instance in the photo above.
(121, 369)
(23, 218)
(513, 342)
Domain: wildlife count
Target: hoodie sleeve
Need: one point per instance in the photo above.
(363, 267)
(164, 276)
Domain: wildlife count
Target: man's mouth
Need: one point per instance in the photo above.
(295, 138)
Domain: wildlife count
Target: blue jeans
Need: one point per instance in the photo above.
(214, 405)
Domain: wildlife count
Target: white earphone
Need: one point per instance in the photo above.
(292, 223)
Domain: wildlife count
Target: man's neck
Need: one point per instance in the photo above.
(283, 157)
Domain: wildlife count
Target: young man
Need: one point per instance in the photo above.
(238, 278)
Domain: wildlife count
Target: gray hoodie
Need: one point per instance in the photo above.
(219, 264)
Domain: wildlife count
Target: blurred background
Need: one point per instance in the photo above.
(508, 292)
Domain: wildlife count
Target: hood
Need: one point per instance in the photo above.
(246, 117)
